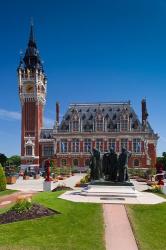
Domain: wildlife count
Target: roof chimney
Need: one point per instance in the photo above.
(144, 113)
(57, 112)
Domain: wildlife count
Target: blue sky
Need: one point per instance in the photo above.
(92, 51)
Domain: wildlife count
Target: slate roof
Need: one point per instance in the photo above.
(111, 111)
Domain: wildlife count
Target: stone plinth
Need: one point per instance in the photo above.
(118, 191)
(47, 186)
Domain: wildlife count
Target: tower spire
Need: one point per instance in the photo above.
(32, 41)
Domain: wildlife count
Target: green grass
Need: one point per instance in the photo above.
(79, 227)
(148, 222)
(7, 192)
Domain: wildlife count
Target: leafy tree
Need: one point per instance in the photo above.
(2, 179)
(3, 159)
(14, 160)
(162, 160)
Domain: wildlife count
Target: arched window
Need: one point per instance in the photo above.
(136, 163)
(64, 162)
(29, 150)
(75, 145)
(75, 162)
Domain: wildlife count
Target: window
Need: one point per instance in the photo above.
(48, 150)
(29, 150)
(124, 123)
(75, 145)
(99, 144)
(76, 126)
(99, 124)
(75, 162)
(124, 143)
(64, 146)
(87, 145)
(137, 145)
(87, 162)
(64, 162)
(111, 143)
(136, 163)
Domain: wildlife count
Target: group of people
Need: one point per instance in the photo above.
(110, 167)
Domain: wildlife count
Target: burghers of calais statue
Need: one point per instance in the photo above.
(110, 165)
(123, 165)
(95, 165)
(113, 168)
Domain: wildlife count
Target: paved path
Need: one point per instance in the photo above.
(37, 185)
(8, 199)
(118, 232)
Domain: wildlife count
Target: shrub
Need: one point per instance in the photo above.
(2, 179)
(85, 179)
(155, 189)
(21, 206)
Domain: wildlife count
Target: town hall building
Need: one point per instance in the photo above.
(83, 127)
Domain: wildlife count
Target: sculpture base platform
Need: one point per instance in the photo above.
(108, 191)
(47, 186)
(111, 183)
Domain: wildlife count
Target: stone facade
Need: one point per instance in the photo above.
(83, 127)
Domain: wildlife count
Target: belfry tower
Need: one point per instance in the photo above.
(32, 83)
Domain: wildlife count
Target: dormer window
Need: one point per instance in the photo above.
(75, 126)
(124, 123)
(99, 123)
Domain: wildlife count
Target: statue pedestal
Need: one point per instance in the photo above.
(47, 186)
(116, 190)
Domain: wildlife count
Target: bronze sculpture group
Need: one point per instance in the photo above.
(110, 167)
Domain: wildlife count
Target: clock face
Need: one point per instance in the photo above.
(29, 88)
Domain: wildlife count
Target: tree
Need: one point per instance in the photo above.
(3, 159)
(2, 179)
(14, 160)
(162, 160)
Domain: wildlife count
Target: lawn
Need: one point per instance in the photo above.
(148, 222)
(78, 227)
(6, 192)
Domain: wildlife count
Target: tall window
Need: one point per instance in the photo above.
(111, 143)
(124, 123)
(75, 162)
(124, 143)
(76, 126)
(64, 146)
(87, 145)
(75, 145)
(99, 124)
(48, 150)
(29, 150)
(99, 144)
(137, 145)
